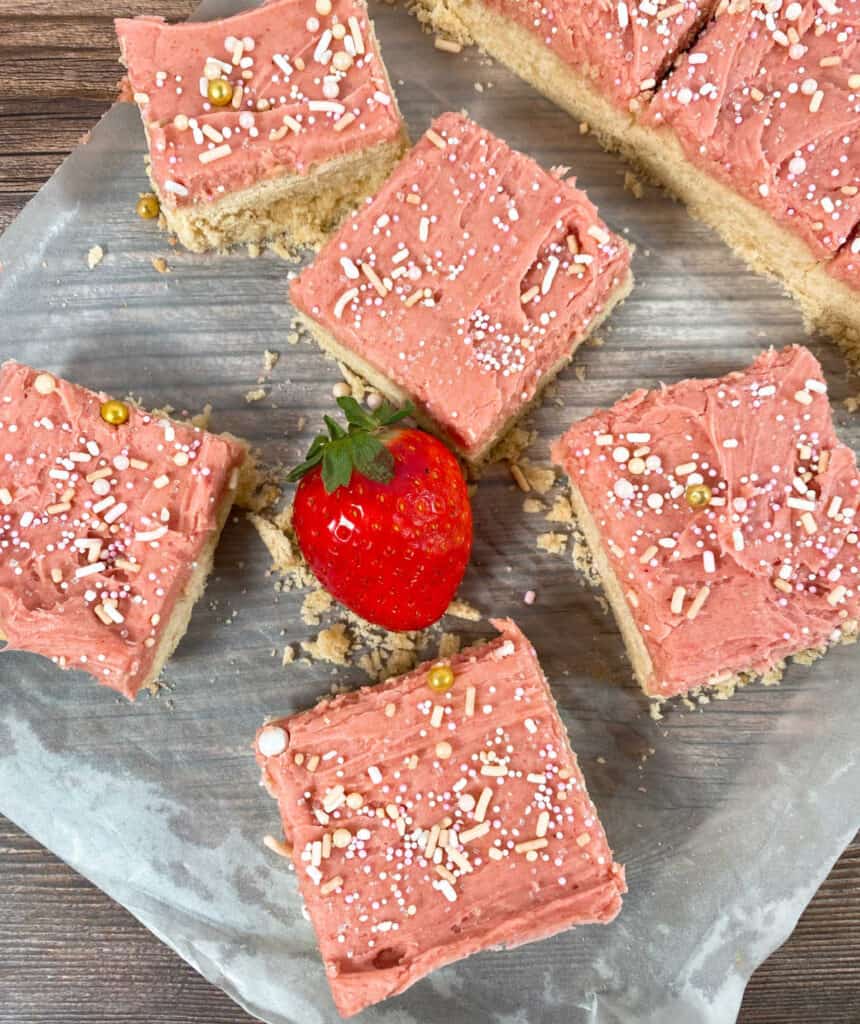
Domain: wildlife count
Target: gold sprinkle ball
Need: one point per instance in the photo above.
(148, 206)
(698, 496)
(220, 92)
(440, 678)
(114, 412)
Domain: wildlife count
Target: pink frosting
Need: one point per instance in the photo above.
(285, 69)
(769, 103)
(419, 761)
(100, 526)
(625, 47)
(479, 228)
(776, 550)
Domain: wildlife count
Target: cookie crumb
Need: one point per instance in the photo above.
(95, 255)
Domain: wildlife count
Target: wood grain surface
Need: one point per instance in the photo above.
(68, 954)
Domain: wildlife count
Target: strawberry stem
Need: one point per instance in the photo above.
(358, 448)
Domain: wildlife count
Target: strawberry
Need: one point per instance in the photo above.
(382, 517)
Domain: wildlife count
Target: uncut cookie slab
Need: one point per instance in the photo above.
(466, 284)
(758, 129)
(427, 825)
(720, 516)
(267, 126)
(107, 532)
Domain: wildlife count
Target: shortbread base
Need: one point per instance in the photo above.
(292, 210)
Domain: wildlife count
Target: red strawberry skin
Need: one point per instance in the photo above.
(395, 552)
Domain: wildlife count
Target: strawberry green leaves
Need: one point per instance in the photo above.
(357, 448)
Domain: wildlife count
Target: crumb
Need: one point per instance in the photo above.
(284, 556)
(270, 361)
(595, 341)
(255, 395)
(258, 489)
(561, 511)
(202, 418)
(293, 338)
(513, 444)
(519, 477)
(254, 250)
(289, 656)
(449, 645)
(533, 505)
(580, 373)
(633, 185)
(95, 256)
(356, 385)
(316, 604)
(332, 644)
(852, 403)
(159, 263)
(554, 543)
(463, 610)
(540, 478)
(584, 128)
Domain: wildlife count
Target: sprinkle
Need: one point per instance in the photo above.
(88, 570)
(344, 122)
(531, 844)
(738, 540)
(375, 774)
(447, 45)
(584, 839)
(549, 276)
(542, 824)
(803, 397)
(44, 383)
(648, 554)
(800, 503)
(698, 602)
(447, 890)
(424, 229)
(331, 885)
(272, 741)
(435, 138)
(469, 707)
(150, 535)
(217, 153)
(5, 496)
(782, 585)
(834, 507)
(678, 596)
(357, 39)
(495, 770)
(816, 101)
(334, 798)
(344, 301)
(475, 832)
(483, 803)
(437, 715)
(373, 277)
(685, 469)
(836, 595)
(708, 561)
(598, 234)
(809, 523)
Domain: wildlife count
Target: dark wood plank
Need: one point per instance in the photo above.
(68, 953)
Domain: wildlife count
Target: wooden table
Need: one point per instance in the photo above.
(67, 952)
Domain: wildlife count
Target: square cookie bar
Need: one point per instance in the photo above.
(436, 815)
(720, 516)
(109, 517)
(466, 284)
(265, 126)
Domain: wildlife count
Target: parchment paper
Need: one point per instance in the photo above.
(727, 828)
